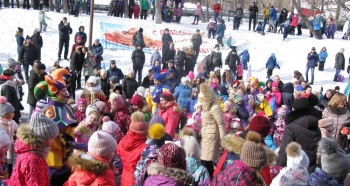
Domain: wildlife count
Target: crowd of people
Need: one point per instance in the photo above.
(175, 126)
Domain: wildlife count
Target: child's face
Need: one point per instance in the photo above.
(135, 107)
(49, 142)
(117, 91)
(199, 109)
(9, 116)
(92, 120)
(90, 84)
(81, 108)
(105, 111)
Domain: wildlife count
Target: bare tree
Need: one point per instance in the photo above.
(158, 12)
(52, 7)
(207, 10)
(65, 5)
(126, 9)
(306, 21)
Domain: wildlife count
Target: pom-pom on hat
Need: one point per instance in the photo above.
(261, 125)
(138, 123)
(5, 107)
(43, 126)
(191, 146)
(110, 126)
(172, 156)
(156, 131)
(4, 139)
(334, 161)
(296, 156)
(167, 96)
(253, 153)
(102, 144)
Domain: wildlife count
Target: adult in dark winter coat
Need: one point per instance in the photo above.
(169, 55)
(129, 85)
(312, 60)
(37, 75)
(82, 34)
(77, 63)
(237, 18)
(149, 79)
(216, 58)
(324, 101)
(114, 71)
(166, 40)
(302, 127)
(138, 60)
(37, 41)
(97, 51)
(105, 86)
(19, 39)
(78, 42)
(139, 39)
(232, 60)
(253, 13)
(220, 32)
(288, 97)
(64, 31)
(339, 63)
(179, 62)
(196, 41)
(283, 16)
(27, 56)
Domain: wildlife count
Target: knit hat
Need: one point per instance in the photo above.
(191, 146)
(97, 40)
(195, 89)
(156, 131)
(156, 119)
(313, 48)
(294, 176)
(90, 109)
(237, 98)
(261, 125)
(41, 66)
(43, 126)
(4, 138)
(166, 29)
(334, 161)
(228, 105)
(11, 62)
(253, 153)
(137, 100)
(102, 144)
(138, 123)
(167, 96)
(27, 37)
(110, 126)
(141, 91)
(172, 156)
(5, 107)
(282, 110)
(184, 79)
(235, 123)
(100, 105)
(82, 101)
(92, 79)
(20, 29)
(141, 30)
(78, 38)
(119, 100)
(64, 18)
(214, 84)
(113, 79)
(274, 84)
(190, 75)
(40, 105)
(296, 156)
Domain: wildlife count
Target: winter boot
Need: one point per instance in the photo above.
(197, 23)
(193, 23)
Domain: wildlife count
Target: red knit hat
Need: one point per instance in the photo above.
(261, 125)
(137, 100)
(172, 156)
(138, 123)
(167, 96)
(78, 38)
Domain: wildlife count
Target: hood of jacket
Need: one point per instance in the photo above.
(320, 177)
(89, 164)
(335, 111)
(209, 97)
(300, 113)
(131, 141)
(192, 164)
(98, 45)
(178, 175)
(288, 87)
(78, 49)
(232, 143)
(27, 141)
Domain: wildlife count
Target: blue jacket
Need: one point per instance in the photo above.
(182, 93)
(317, 23)
(199, 173)
(320, 177)
(245, 56)
(322, 56)
(190, 104)
(220, 30)
(271, 62)
(273, 13)
(97, 50)
(312, 60)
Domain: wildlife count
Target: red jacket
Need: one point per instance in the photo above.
(122, 118)
(217, 8)
(171, 115)
(129, 149)
(97, 172)
(30, 167)
(136, 10)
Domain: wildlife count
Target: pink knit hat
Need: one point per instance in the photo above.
(100, 105)
(82, 101)
(102, 144)
(110, 126)
(138, 123)
(274, 84)
(190, 75)
(282, 110)
(228, 105)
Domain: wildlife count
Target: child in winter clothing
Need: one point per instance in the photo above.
(223, 93)
(32, 146)
(197, 114)
(335, 165)
(191, 102)
(193, 125)
(131, 147)
(10, 127)
(196, 14)
(260, 29)
(322, 56)
(280, 125)
(81, 108)
(229, 114)
(271, 64)
(296, 171)
(245, 59)
(93, 167)
(331, 29)
(239, 71)
(121, 114)
(211, 29)
(178, 13)
(286, 29)
(274, 97)
(42, 22)
(136, 10)
(5, 143)
(85, 128)
(155, 57)
(138, 104)
(242, 112)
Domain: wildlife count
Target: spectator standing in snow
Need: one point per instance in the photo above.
(196, 14)
(138, 60)
(136, 10)
(97, 51)
(120, 8)
(237, 18)
(272, 19)
(211, 29)
(217, 9)
(253, 11)
(37, 42)
(266, 15)
(196, 41)
(64, 31)
(331, 29)
(82, 34)
(19, 39)
(339, 63)
(139, 41)
(27, 56)
(220, 31)
(166, 39)
(270, 65)
(286, 29)
(312, 60)
(144, 4)
(322, 56)
(42, 22)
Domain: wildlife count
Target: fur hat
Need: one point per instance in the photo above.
(232, 143)
(172, 156)
(102, 144)
(110, 126)
(282, 110)
(5, 107)
(11, 62)
(43, 126)
(261, 125)
(296, 156)
(82, 101)
(253, 153)
(184, 79)
(167, 96)
(138, 123)
(191, 146)
(334, 161)
(137, 100)
(156, 131)
(4, 138)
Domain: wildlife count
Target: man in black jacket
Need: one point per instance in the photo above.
(37, 75)
(64, 31)
(37, 42)
(138, 40)
(166, 39)
(27, 56)
(138, 60)
(114, 71)
(77, 63)
(237, 18)
(232, 60)
(196, 41)
(253, 9)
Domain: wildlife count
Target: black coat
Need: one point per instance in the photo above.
(11, 96)
(196, 40)
(33, 80)
(129, 86)
(166, 39)
(139, 40)
(77, 59)
(83, 37)
(179, 59)
(37, 40)
(302, 127)
(288, 96)
(232, 60)
(169, 55)
(105, 86)
(116, 72)
(28, 54)
(138, 58)
(64, 31)
(147, 82)
(216, 60)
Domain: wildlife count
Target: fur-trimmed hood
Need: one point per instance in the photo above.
(180, 176)
(78, 49)
(30, 140)
(209, 97)
(232, 143)
(94, 166)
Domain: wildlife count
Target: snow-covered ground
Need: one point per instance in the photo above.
(291, 54)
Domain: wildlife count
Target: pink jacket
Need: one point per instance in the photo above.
(278, 97)
(80, 116)
(228, 119)
(295, 20)
(171, 115)
(280, 126)
(198, 10)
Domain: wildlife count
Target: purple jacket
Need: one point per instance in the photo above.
(178, 12)
(331, 28)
